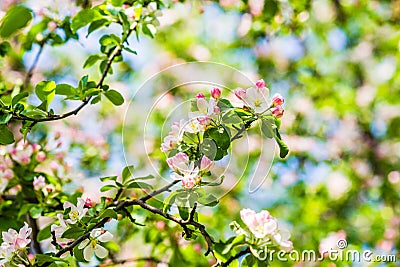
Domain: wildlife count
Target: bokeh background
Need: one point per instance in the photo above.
(335, 62)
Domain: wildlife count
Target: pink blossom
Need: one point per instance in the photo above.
(39, 183)
(22, 154)
(277, 100)
(41, 156)
(19, 239)
(216, 93)
(6, 173)
(261, 84)
(179, 162)
(256, 7)
(188, 181)
(240, 93)
(200, 96)
(277, 111)
(260, 224)
(204, 120)
(206, 164)
(88, 203)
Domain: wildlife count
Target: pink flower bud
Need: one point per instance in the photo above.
(240, 93)
(160, 225)
(200, 96)
(204, 120)
(41, 156)
(216, 93)
(88, 203)
(277, 111)
(260, 84)
(206, 164)
(277, 100)
(36, 147)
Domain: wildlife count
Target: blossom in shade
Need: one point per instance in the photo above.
(179, 162)
(277, 111)
(22, 154)
(3, 184)
(91, 246)
(277, 100)
(39, 182)
(206, 164)
(240, 93)
(6, 173)
(216, 93)
(188, 176)
(206, 109)
(173, 138)
(59, 231)
(77, 212)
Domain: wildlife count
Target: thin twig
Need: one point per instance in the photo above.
(35, 229)
(159, 191)
(239, 133)
(29, 74)
(150, 259)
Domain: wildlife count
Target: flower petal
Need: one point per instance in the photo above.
(107, 236)
(100, 251)
(83, 244)
(88, 253)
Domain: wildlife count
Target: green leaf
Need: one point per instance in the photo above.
(183, 212)
(6, 136)
(65, 89)
(78, 254)
(238, 240)
(127, 172)
(220, 136)
(139, 185)
(109, 178)
(209, 148)
(36, 212)
(224, 104)
(169, 201)
(108, 213)
(45, 91)
(107, 188)
(149, 30)
(268, 126)
(97, 24)
(117, 2)
(73, 233)
(4, 48)
(19, 97)
(84, 17)
(5, 118)
(231, 118)
(44, 233)
(208, 200)
(91, 60)
(130, 50)
(147, 177)
(115, 97)
(16, 18)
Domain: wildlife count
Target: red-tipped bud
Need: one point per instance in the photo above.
(240, 93)
(216, 93)
(260, 84)
(277, 100)
(200, 96)
(277, 111)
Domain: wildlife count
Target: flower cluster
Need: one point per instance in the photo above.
(257, 99)
(14, 244)
(187, 171)
(90, 246)
(262, 232)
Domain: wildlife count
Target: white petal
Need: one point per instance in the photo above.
(83, 244)
(88, 253)
(68, 205)
(100, 251)
(107, 236)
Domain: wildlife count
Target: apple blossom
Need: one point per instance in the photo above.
(206, 164)
(17, 240)
(6, 173)
(91, 245)
(261, 84)
(277, 111)
(277, 100)
(22, 154)
(179, 162)
(240, 93)
(173, 138)
(77, 212)
(39, 182)
(41, 156)
(3, 184)
(216, 93)
(59, 230)
(6, 253)
(260, 224)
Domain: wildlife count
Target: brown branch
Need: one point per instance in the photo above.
(35, 229)
(117, 50)
(239, 133)
(235, 257)
(159, 191)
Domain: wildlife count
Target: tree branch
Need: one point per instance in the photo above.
(239, 133)
(235, 257)
(159, 191)
(35, 229)
(150, 259)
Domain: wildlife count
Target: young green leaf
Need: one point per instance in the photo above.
(127, 172)
(16, 18)
(6, 136)
(115, 97)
